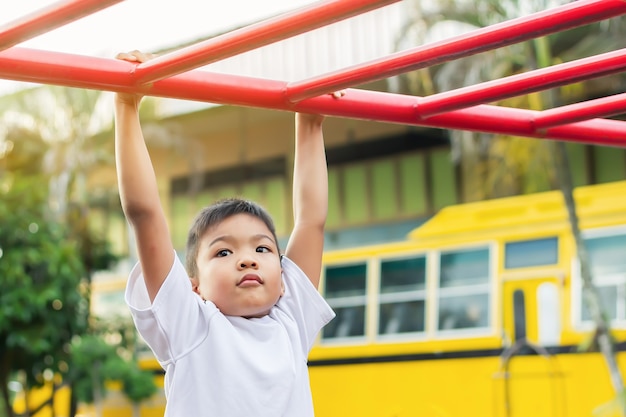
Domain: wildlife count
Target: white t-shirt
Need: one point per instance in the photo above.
(226, 366)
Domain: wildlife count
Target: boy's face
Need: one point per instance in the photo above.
(239, 267)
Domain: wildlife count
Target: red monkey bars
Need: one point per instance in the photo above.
(174, 75)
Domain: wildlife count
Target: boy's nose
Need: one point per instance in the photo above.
(247, 263)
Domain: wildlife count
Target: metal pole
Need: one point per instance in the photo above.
(528, 82)
(48, 18)
(600, 107)
(506, 33)
(254, 36)
(29, 65)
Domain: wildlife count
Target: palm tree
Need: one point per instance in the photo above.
(54, 126)
(494, 165)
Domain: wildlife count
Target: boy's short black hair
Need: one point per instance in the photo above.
(214, 215)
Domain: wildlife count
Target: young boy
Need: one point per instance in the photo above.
(234, 329)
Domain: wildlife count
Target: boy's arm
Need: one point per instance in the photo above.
(310, 197)
(138, 190)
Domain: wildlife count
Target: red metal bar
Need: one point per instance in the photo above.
(394, 108)
(254, 36)
(29, 65)
(48, 18)
(600, 107)
(517, 85)
(506, 33)
(55, 68)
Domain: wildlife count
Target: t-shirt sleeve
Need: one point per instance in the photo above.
(303, 303)
(176, 321)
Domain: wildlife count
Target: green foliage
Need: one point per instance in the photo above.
(95, 362)
(89, 354)
(47, 250)
(95, 251)
(118, 330)
(42, 306)
(40, 300)
(138, 385)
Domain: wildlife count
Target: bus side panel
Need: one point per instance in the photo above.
(567, 385)
(448, 387)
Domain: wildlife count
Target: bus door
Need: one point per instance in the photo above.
(529, 382)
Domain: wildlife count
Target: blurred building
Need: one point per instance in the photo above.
(384, 179)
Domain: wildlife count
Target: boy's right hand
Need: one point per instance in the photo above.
(136, 57)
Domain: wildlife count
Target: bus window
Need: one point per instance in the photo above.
(344, 289)
(527, 253)
(608, 269)
(464, 284)
(402, 296)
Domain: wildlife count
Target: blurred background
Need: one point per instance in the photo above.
(452, 260)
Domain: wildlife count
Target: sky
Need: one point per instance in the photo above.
(147, 25)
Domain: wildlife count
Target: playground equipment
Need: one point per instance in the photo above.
(175, 74)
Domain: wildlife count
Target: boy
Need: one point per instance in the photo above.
(239, 345)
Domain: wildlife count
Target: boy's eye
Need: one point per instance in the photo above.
(222, 253)
(263, 249)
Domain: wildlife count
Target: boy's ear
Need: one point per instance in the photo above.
(282, 286)
(195, 284)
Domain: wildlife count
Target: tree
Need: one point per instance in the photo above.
(495, 165)
(138, 385)
(61, 134)
(48, 134)
(42, 306)
(96, 362)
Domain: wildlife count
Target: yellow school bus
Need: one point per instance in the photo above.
(478, 312)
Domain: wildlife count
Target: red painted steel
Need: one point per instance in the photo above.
(578, 122)
(251, 37)
(506, 33)
(48, 18)
(23, 64)
(528, 82)
(600, 107)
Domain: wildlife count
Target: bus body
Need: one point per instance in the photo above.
(478, 313)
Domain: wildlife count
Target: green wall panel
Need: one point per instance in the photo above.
(252, 191)
(277, 205)
(205, 198)
(334, 199)
(609, 164)
(384, 190)
(443, 179)
(181, 220)
(413, 185)
(226, 191)
(578, 163)
(356, 201)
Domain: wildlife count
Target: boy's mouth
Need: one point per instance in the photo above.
(250, 280)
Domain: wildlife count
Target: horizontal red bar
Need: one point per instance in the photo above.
(47, 19)
(254, 36)
(506, 33)
(600, 107)
(21, 64)
(517, 85)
